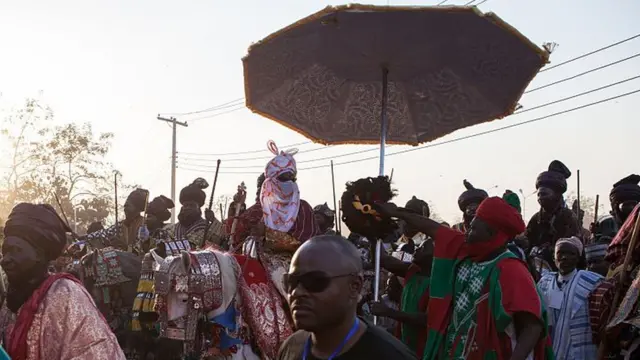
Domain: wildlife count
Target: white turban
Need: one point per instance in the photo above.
(574, 241)
(280, 200)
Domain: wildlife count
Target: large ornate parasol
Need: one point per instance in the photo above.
(386, 74)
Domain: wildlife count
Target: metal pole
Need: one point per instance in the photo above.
(174, 153)
(335, 205)
(383, 140)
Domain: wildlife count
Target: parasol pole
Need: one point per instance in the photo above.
(383, 140)
(335, 207)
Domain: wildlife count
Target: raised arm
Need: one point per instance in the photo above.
(420, 223)
(393, 265)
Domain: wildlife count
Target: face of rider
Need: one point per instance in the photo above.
(189, 213)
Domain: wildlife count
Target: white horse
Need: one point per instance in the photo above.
(220, 269)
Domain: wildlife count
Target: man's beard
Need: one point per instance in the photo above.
(29, 282)
(189, 216)
(467, 218)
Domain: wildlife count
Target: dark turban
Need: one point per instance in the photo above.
(324, 210)
(625, 190)
(195, 192)
(40, 226)
(471, 196)
(418, 206)
(159, 207)
(95, 226)
(501, 216)
(555, 177)
(138, 198)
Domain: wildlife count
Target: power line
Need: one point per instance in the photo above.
(462, 137)
(582, 73)
(268, 157)
(218, 114)
(217, 107)
(248, 152)
(589, 53)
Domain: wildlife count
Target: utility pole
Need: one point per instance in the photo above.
(174, 124)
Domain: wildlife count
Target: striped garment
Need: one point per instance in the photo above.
(471, 305)
(569, 325)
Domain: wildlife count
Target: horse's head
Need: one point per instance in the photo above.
(172, 282)
(189, 286)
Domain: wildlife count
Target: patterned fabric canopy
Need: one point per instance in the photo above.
(448, 68)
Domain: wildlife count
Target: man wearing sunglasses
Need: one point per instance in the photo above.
(323, 288)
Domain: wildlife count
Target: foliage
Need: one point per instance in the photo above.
(64, 161)
(588, 205)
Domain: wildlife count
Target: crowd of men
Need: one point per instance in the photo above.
(491, 287)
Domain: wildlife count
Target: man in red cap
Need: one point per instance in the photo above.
(483, 301)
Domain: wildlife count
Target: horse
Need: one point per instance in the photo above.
(111, 277)
(198, 303)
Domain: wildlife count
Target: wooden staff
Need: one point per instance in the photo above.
(595, 211)
(239, 200)
(578, 200)
(339, 212)
(602, 350)
(213, 191)
(115, 184)
(61, 210)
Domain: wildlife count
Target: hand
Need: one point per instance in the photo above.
(379, 309)
(594, 228)
(209, 215)
(387, 210)
(522, 241)
(143, 233)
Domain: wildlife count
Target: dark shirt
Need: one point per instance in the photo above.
(546, 228)
(374, 344)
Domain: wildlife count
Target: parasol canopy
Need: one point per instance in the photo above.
(448, 68)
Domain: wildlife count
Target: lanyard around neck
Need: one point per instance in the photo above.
(336, 352)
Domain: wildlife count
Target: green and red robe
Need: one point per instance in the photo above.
(471, 304)
(415, 299)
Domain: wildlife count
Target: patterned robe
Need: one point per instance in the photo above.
(122, 235)
(569, 319)
(195, 233)
(415, 299)
(68, 326)
(471, 305)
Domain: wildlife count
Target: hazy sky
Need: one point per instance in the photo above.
(117, 64)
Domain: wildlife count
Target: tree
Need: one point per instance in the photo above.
(434, 213)
(60, 163)
(588, 205)
(224, 201)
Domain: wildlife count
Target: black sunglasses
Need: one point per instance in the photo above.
(312, 281)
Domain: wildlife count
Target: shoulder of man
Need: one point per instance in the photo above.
(293, 346)
(386, 344)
